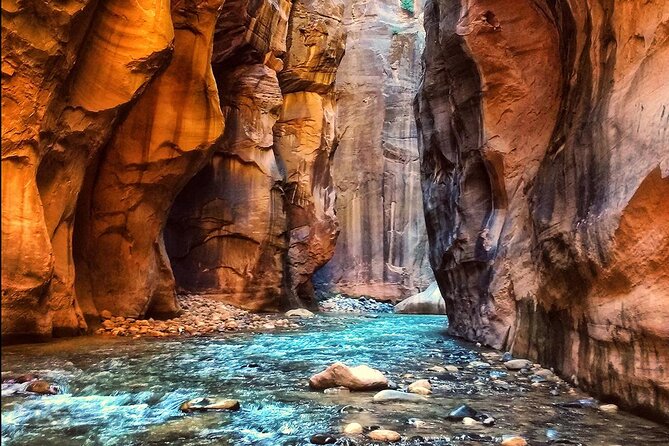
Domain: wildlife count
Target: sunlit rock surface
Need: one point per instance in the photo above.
(428, 301)
(165, 139)
(55, 120)
(382, 247)
(545, 169)
(305, 139)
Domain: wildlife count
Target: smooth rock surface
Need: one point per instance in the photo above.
(428, 301)
(361, 377)
(384, 435)
(396, 396)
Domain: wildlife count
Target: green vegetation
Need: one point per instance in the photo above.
(407, 5)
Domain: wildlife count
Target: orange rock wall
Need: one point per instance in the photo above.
(545, 155)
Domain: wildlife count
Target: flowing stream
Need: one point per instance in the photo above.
(123, 391)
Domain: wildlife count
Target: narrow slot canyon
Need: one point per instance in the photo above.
(350, 222)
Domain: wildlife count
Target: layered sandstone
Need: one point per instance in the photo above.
(305, 139)
(56, 117)
(382, 247)
(225, 235)
(545, 168)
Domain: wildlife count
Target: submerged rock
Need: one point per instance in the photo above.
(323, 439)
(339, 374)
(209, 404)
(388, 396)
(464, 411)
(336, 390)
(384, 435)
(353, 429)
(42, 387)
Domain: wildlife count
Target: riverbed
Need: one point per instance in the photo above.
(121, 391)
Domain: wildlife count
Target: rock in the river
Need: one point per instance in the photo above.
(106, 314)
(421, 387)
(426, 302)
(299, 312)
(513, 441)
(517, 364)
(395, 396)
(451, 368)
(353, 429)
(467, 421)
(463, 411)
(209, 404)
(42, 387)
(323, 439)
(338, 374)
(384, 435)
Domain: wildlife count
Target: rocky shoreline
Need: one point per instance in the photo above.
(201, 316)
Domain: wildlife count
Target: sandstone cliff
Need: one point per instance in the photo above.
(112, 108)
(545, 172)
(382, 248)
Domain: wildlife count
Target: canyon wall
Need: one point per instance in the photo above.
(382, 248)
(545, 173)
(115, 111)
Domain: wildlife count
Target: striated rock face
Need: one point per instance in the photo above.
(164, 140)
(56, 117)
(382, 248)
(305, 140)
(545, 172)
(225, 236)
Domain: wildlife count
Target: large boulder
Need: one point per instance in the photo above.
(426, 302)
(338, 374)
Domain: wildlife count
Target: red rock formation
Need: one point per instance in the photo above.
(56, 116)
(382, 248)
(544, 161)
(225, 236)
(304, 138)
(165, 139)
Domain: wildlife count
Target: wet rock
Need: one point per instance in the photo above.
(479, 364)
(384, 435)
(467, 421)
(323, 439)
(438, 369)
(338, 374)
(417, 422)
(580, 403)
(507, 356)
(300, 312)
(421, 387)
(390, 396)
(209, 404)
(463, 411)
(106, 314)
(336, 390)
(42, 387)
(353, 429)
(351, 409)
(517, 364)
(392, 385)
(451, 368)
(513, 441)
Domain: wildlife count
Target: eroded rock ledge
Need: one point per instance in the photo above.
(545, 170)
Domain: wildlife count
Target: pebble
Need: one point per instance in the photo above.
(417, 422)
(339, 303)
(209, 404)
(390, 396)
(467, 421)
(201, 315)
(517, 364)
(451, 368)
(337, 390)
(353, 429)
(513, 441)
(608, 408)
(42, 387)
(299, 312)
(384, 435)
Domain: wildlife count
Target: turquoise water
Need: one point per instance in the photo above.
(127, 392)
